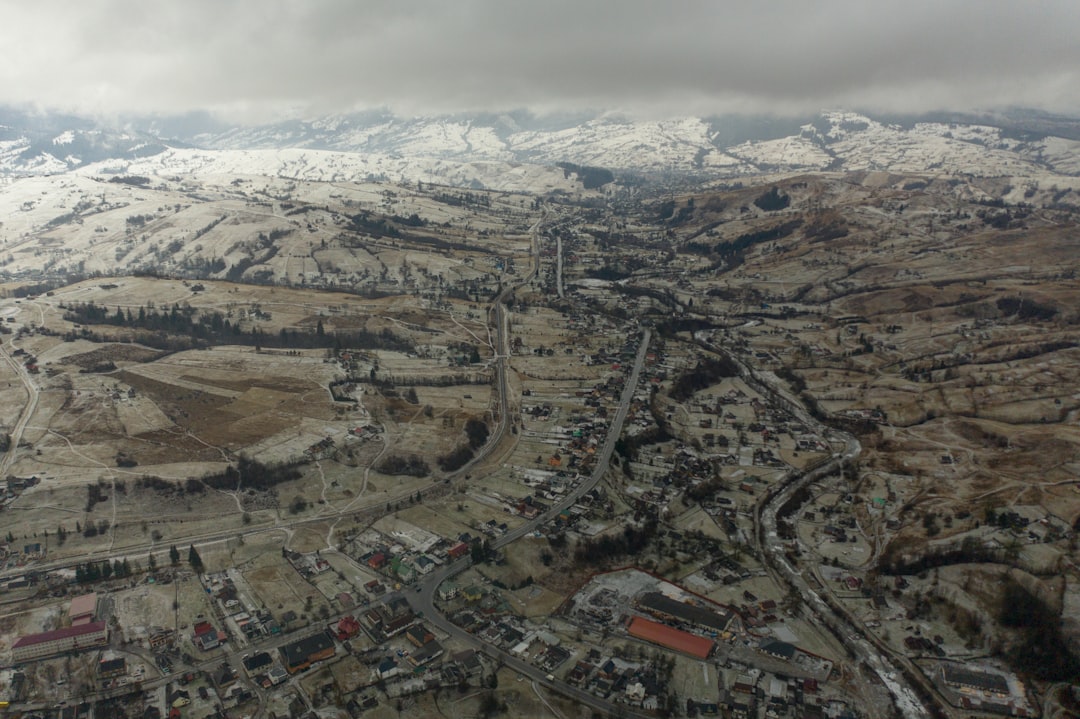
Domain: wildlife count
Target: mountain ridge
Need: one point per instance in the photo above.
(1021, 143)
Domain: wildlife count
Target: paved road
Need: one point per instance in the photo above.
(558, 266)
(28, 411)
(769, 548)
(422, 599)
(501, 320)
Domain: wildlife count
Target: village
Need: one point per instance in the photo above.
(559, 471)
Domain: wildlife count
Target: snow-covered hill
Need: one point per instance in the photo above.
(509, 151)
(331, 166)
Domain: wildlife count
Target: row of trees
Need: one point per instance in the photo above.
(215, 328)
(90, 572)
(410, 466)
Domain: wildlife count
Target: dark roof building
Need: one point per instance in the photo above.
(302, 653)
(425, 654)
(109, 668)
(778, 649)
(257, 662)
(663, 606)
(959, 676)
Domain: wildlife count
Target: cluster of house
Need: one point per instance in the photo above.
(426, 650)
(225, 683)
(749, 693)
(725, 569)
(507, 631)
(206, 637)
(617, 680)
(15, 486)
(321, 449)
(368, 431)
(578, 442)
(410, 553)
(403, 569)
(251, 623)
(307, 565)
(876, 416)
(264, 670)
(757, 613)
(386, 620)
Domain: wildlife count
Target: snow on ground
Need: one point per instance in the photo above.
(789, 152)
(329, 166)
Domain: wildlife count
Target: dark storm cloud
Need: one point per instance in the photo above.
(256, 58)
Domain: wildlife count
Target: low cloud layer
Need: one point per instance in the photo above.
(257, 60)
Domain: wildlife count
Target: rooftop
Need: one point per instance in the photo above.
(82, 605)
(657, 602)
(671, 638)
(955, 674)
(64, 633)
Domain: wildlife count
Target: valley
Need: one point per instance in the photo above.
(789, 428)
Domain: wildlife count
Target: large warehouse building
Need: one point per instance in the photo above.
(665, 636)
(58, 641)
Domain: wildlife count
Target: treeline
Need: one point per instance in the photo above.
(133, 180)
(250, 473)
(969, 552)
(736, 248)
(164, 486)
(591, 177)
(247, 473)
(465, 199)
(443, 380)
(236, 272)
(476, 433)
(924, 373)
(708, 372)
(630, 446)
(214, 328)
(1042, 650)
(605, 548)
(411, 466)
(1026, 309)
(375, 226)
(41, 288)
(772, 200)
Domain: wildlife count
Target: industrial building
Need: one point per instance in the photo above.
(676, 639)
(57, 641)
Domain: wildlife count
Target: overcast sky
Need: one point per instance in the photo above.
(258, 60)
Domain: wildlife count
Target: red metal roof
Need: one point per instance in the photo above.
(671, 638)
(83, 605)
(63, 633)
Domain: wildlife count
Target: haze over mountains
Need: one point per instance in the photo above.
(1040, 148)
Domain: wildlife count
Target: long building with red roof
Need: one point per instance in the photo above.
(676, 639)
(81, 636)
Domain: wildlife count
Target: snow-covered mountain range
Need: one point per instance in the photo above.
(478, 150)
